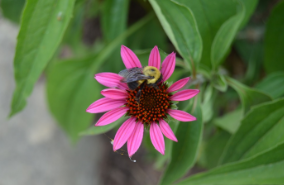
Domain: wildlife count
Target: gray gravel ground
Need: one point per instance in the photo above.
(33, 150)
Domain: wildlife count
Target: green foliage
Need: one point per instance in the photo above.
(114, 17)
(249, 96)
(70, 89)
(184, 152)
(185, 37)
(272, 85)
(42, 27)
(265, 168)
(230, 121)
(274, 40)
(225, 36)
(238, 135)
(213, 148)
(260, 130)
(12, 9)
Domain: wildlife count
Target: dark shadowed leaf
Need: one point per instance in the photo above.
(114, 18)
(213, 148)
(272, 85)
(42, 28)
(274, 40)
(219, 82)
(230, 121)
(249, 96)
(261, 129)
(184, 152)
(12, 9)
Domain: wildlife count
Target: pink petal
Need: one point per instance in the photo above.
(129, 58)
(110, 80)
(154, 58)
(104, 104)
(135, 140)
(114, 93)
(178, 85)
(123, 133)
(181, 115)
(184, 95)
(168, 66)
(157, 138)
(111, 116)
(167, 131)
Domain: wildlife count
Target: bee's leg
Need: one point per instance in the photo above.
(154, 85)
(138, 94)
(137, 97)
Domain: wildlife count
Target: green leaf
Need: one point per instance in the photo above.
(272, 85)
(114, 22)
(274, 40)
(263, 169)
(213, 148)
(249, 96)
(225, 36)
(184, 152)
(219, 82)
(260, 130)
(42, 28)
(185, 37)
(252, 54)
(71, 88)
(250, 6)
(114, 18)
(207, 104)
(230, 121)
(12, 9)
(210, 16)
(102, 129)
(149, 36)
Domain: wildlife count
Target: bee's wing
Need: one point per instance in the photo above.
(132, 75)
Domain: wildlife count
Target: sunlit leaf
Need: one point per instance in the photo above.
(42, 28)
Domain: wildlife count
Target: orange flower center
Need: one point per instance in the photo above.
(153, 103)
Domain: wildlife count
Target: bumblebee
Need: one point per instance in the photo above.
(139, 77)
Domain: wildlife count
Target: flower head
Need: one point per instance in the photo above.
(153, 108)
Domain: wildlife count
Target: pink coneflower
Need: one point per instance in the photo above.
(154, 106)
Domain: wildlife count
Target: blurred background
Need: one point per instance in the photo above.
(34, 150)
